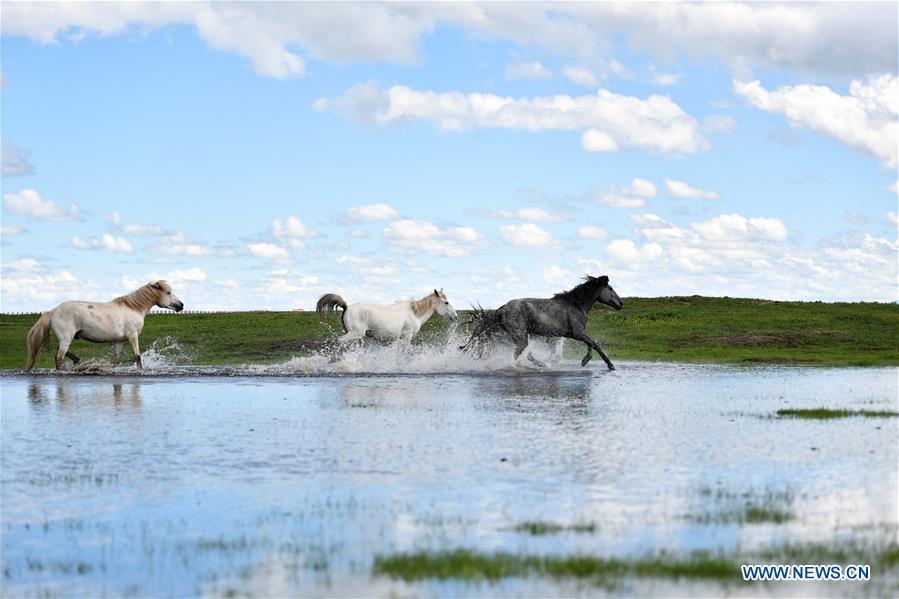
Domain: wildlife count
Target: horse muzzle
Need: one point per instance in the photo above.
(178, 307)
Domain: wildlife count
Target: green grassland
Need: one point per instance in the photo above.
(688, 329)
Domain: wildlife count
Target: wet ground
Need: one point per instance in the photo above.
(176, 482)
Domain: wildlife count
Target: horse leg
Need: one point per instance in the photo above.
(116, 352)
(535, 361)
(75, 359)
(61, 351)
(592, 344)
(135, 347)
(520, 338)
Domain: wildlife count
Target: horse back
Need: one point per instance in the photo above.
(541, 316)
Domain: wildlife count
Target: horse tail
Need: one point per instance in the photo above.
(485, 323)
(38, 337)
(328, 303)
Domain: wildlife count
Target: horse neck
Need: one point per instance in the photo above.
(591, 299)
(422, 309)
(137, 301)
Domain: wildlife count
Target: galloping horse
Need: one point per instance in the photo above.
(400, 320)
(117, 321)
(563, 315)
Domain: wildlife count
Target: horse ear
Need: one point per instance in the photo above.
(435, 293)
(156, 285)
(604, 280)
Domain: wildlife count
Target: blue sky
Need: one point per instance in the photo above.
(259, 155)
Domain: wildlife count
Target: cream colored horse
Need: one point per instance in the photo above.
(117, 321)
(401, 320)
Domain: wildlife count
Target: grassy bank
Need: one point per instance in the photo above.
(691, 329)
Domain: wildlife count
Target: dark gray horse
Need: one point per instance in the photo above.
(563, 315)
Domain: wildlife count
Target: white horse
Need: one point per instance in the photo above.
(117, 321)
(400, 320)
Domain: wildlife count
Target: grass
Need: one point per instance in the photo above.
(537, 528)
(689, 329)
(828, 414)
(745, 508)
(471, 565)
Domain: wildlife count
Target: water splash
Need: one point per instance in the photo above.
(165, 352)
(437, 353)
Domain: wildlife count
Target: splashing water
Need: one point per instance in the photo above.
(434, 354)
(165, 352)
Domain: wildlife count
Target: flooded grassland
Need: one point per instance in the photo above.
(655, 478)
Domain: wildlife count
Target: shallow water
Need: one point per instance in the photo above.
(172, 483)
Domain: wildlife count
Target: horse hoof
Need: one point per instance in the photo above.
(611, 367)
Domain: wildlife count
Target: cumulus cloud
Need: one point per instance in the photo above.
(118, 245)
(865, 120)
(680, 190)
(634, 196)
(892, 219)
(527, 70)
(292, 228)
(30, 290)
(182, 275)
(527, 235)
(580, 75)
(135, 229)
(369, 212)
(631, 254)
(13, 160)
(418, 236)
(29, 202)
(591, 232)
(269, 251)
(609, 121)
(829, 38)
(24, 264)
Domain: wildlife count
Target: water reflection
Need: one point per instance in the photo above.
(72, 396)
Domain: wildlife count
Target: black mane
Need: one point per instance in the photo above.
(585, 292)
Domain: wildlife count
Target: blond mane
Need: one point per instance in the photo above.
(143, 298)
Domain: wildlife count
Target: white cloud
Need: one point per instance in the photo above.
(415, 236)
(893, 188)
(11, 230)
(269, 251)
(24, 264)
(357, 260)
(370, 212)
(630, 253)
(292, 228)
(665, 79)
(30, 202)
(580, 75)
(719, 123)
(610, 120)
(134, 229)
(865, 120)
(592, 232)
(118, 245)
(534, 214)
(559, 277)
(634, 196)
(679, 189)
(892, 219)
(28, 290)
(527, 235)
(830, 38)
(528, 70)
(13, 160)
(182, 275)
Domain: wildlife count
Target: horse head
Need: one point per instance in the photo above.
(442, 306)
(165, 298)
(607, 295)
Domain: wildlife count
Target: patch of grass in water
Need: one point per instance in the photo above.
(538, 527)
(465, 564)
(828, 414)
(471, 565)
(746, 508)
